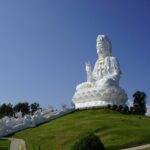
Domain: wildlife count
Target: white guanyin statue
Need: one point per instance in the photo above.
(102, 86)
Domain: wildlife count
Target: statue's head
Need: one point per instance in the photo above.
(103, 46)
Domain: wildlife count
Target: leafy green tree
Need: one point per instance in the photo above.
(120, 107)
(125, 110)
(114, 107)
(139, 104)
(108, 106)
(10, 111)
(23, 107)
(89, 142)
(34, 107)
(6, 110)
(131, 110)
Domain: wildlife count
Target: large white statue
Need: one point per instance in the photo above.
(102, 86)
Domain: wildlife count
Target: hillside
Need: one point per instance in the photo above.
(4, 144)
(114, 129)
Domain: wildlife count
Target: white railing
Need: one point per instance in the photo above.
(11, 125)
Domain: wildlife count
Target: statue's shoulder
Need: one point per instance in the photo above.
(111, 58)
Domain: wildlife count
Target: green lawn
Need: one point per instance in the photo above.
(4, 144)
(114, 129)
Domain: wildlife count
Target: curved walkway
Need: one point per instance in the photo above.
(17, 144)
(142, 147)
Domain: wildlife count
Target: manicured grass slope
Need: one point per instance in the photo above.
(114, 129)
(4, 144)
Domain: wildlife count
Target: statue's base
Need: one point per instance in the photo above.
(95, 96)
(98, 103)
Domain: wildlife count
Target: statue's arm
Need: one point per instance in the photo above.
(88, 71)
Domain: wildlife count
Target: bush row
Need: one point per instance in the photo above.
(120, 108)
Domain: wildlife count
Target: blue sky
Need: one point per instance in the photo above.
(44, 45)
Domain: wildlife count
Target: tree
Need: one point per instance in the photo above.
(34, 107)
(89, 142)
(131, 110)
(108, 106)
(139, 104)
(10, 111)
(120, 107)
(6, 110)
(114, 107)
(23, 107)
(125, 110)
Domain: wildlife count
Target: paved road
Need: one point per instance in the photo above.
(142, 147)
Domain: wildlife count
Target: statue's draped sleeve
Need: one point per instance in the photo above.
(95, 70)
(111, 69)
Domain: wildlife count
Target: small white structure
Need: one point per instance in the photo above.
(102, 85)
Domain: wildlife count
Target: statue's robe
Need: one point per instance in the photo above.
(107, 69)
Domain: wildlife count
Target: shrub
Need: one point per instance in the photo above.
(131, 110)
(108, 106)
(125, 110)
(119, 108)
(89, 142)
(114, 107)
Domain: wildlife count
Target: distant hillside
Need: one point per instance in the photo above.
(114, 129)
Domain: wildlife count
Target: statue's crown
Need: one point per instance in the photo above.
(102, 37)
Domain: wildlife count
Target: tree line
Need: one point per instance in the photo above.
(138, 108)
(24, 107)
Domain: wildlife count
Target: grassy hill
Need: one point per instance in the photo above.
(4, 144)
(114, 129)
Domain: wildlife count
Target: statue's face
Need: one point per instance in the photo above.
(103, 46)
